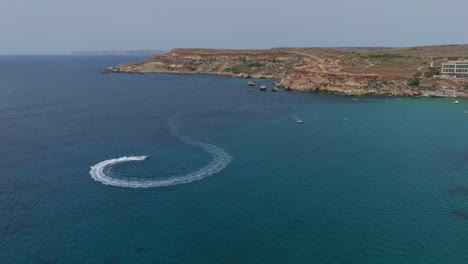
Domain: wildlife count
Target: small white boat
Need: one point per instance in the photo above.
(354, 99)
(456, 102)
(300, 121)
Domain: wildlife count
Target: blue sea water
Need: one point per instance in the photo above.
(377, 180)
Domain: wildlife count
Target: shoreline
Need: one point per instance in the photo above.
(423, 94)
(388, 72)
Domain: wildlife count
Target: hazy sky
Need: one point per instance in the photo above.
(60, 26)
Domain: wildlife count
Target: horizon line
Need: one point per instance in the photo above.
(74, 52)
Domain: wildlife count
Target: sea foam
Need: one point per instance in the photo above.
(220, 160)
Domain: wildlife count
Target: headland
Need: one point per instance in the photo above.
(413, 71)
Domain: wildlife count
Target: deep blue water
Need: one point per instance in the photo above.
(376, 180)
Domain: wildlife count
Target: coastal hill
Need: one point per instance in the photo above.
(350, 71)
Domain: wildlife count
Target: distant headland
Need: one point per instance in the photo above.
(119, 52)
(412, 71)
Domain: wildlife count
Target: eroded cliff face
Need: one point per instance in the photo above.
(261, 64)
(348, 84)
(301, 69)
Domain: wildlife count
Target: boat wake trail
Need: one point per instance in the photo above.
(297, 119)
(220, 160)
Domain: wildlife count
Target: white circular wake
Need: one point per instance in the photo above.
(220, 161)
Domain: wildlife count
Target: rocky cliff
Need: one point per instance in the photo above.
(349, 71)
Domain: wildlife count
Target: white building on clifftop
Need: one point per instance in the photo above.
(454, 69)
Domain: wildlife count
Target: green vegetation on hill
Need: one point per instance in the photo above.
(238, 69)
(246, 68)
(414, 82)
(432, 71)
(383, 57)
(254, 64)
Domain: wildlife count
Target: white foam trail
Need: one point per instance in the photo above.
(220, 160)
(295, 118)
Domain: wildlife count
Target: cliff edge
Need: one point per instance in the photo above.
(348, 71)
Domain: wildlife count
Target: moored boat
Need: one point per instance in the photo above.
(263, 87)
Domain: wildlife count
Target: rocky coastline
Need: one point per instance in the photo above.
(343, 71)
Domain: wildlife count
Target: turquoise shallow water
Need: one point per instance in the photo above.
(375, 180)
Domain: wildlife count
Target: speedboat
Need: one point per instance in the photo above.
(456, 102)
(300, 121)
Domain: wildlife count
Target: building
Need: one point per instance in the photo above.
(455, 69)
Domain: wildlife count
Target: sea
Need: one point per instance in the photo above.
(173, 168)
